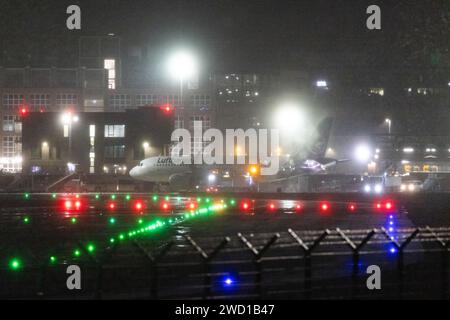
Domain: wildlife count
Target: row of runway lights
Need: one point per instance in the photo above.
(139, 205)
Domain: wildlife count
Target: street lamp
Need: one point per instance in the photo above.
(68, 119)
(182, 65)
(389, 122)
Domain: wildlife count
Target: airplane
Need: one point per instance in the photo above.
(314, 161)
(162, 170)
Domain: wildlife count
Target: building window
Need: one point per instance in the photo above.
(110, 66)
(120, 102)
(146, 99)
(11, 160)
(66, 101)
(115, 152)
(114, 131)
(10, 122)
(12, 101)
(40, 102)
(201, 100)
(92, 130)
(179, 122)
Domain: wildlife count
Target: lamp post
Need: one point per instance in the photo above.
(182, 65)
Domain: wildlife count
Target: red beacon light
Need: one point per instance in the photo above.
(68, 205)
(245, 206)
(389, 205)
(272, 206)
(192, 206)
(138, 206)
(167, 108)
(352, 207)
(298, 207)
(24, 111)
(112, 206)
(165, 206)
(324, 207)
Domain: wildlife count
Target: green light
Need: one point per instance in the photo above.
(113, 197)
(77, 253)
(54, 196)
(141, 221)
(208, 200)
(233, 202)
(73, 220)
(199, 200)
(91, 248)
(26, 196)
(170, 221)
(26, 220)
(178, 199)
(97, 196)
(112, 240)
(52, 259)
(128, 197)
(155, 198)
(167, 198)
(15, 264)
(121, 237)
(112, 220)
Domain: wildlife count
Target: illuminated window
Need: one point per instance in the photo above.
(9, 122)
(110, 65)
(114, 131)
(66, 131)
(92, 130)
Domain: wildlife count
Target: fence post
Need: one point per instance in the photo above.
(400, 259)
(207, 262)
(307, 252)
(355, 250)
(153, 262)
(444, 265)
(257, 256)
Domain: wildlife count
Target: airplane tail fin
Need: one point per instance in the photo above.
(319, 147)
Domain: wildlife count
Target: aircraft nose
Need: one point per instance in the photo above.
(133, 172)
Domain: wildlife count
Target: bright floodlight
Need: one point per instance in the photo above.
(362, 153)
(182, 65)
(289, 118)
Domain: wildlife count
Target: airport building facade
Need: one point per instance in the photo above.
(94, 142)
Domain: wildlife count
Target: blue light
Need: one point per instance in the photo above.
(393, 250)
(391, 223)
(228, 282)
(391, 229)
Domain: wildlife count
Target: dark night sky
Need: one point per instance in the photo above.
(231, 33)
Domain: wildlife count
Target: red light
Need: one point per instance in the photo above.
(165, 206)
(139, 206)
(378, 205)
(167, 108)
(192, 206)
(23, 111)
(298, 207)
(352, 207)
(245, 206)
(324, 207)
(77, 205)
(112, 206)
(272, 206)
(389, 205)
(68, 205)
